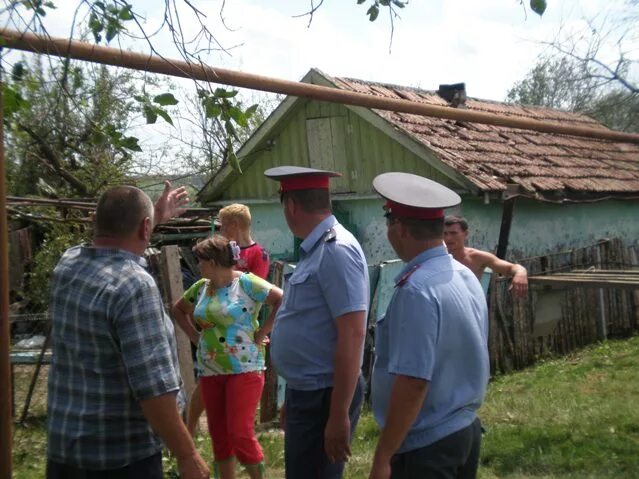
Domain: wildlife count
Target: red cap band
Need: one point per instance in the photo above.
(304, 182)
(404, 211)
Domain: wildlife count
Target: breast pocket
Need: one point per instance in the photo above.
(305, 291)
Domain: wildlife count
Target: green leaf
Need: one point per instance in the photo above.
(126, 13)
(130, 143)
(385, 3)
(230, 129)
(372, 13)
(223, 93)
(165, 99)
(111, 31)
(359, 2)
(234, 162)
(96, 26)
(13, 101)
(17, 72)
(399, 4)
(150, 114)
(100, 5)
(50, 5)
(538, 6)
(250, 111)
(212, 110)
(164, 114)
(139, 98)
(238, 116)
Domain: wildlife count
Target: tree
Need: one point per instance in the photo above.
(592, 47)
(580, 73)
(66, 136)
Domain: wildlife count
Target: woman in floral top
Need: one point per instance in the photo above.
(225, 304)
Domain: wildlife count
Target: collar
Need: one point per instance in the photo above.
(95, 252)
(422, 257)
(318, 233)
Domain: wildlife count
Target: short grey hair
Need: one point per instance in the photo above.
(120, 211)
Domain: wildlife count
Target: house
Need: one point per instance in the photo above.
(554, 192)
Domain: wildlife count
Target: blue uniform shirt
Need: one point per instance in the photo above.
(436, 329)
(331, 279)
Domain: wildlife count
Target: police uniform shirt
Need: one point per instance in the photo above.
(331, 279)
(435, 328)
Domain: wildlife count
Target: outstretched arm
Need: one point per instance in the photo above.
(519, 275)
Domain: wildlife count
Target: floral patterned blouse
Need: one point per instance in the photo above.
(228, 318)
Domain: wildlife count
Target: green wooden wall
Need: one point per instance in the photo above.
(327, 136)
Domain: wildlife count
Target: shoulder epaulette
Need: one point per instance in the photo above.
(330, 235)
(402, 281)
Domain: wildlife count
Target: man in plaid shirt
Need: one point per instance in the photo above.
(114, 378)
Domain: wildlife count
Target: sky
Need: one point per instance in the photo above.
(488, 44)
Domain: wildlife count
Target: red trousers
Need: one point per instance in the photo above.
(231, 401)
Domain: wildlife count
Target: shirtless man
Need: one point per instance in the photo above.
(455, 234)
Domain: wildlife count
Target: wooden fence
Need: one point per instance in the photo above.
(586, 315)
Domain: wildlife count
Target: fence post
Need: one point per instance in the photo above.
(171, 277)
(602, 327)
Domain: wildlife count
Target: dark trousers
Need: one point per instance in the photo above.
(149, 468)
(306, 417)
(454, 457)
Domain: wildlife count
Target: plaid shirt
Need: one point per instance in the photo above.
(113, 346)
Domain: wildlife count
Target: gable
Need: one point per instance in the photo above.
(327, 136)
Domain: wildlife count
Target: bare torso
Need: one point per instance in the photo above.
(473, 259)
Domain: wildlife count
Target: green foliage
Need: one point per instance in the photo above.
(222, 110)
(538, 6)
(13, 101)
(565, 83)
(58, 238)
(376, 5)
(108, 18)
(38, 6)
(65, 124)
(152, 108)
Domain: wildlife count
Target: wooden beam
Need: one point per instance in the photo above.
(66, 48)
(580, 282)
(504, 230)
(172, 281)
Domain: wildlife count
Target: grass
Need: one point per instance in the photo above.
(574, 417)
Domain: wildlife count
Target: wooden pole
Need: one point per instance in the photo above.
(504, 230)
(5, 344)
(63, 47)
(173, 289)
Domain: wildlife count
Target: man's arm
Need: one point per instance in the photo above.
(348, 352)
(519, 275)
(170, 204)
(406, 400)
(162, 414)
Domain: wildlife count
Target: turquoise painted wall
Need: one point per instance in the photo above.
(538, 228)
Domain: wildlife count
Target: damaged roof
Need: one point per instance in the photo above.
(495, 157)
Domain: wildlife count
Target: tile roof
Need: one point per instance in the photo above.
(492, 157)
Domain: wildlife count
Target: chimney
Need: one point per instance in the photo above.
(454, 94)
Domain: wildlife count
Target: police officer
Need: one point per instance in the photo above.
(431, 366)
(318, 338)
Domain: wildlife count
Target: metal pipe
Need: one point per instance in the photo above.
(64, 47)
(5, 344)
